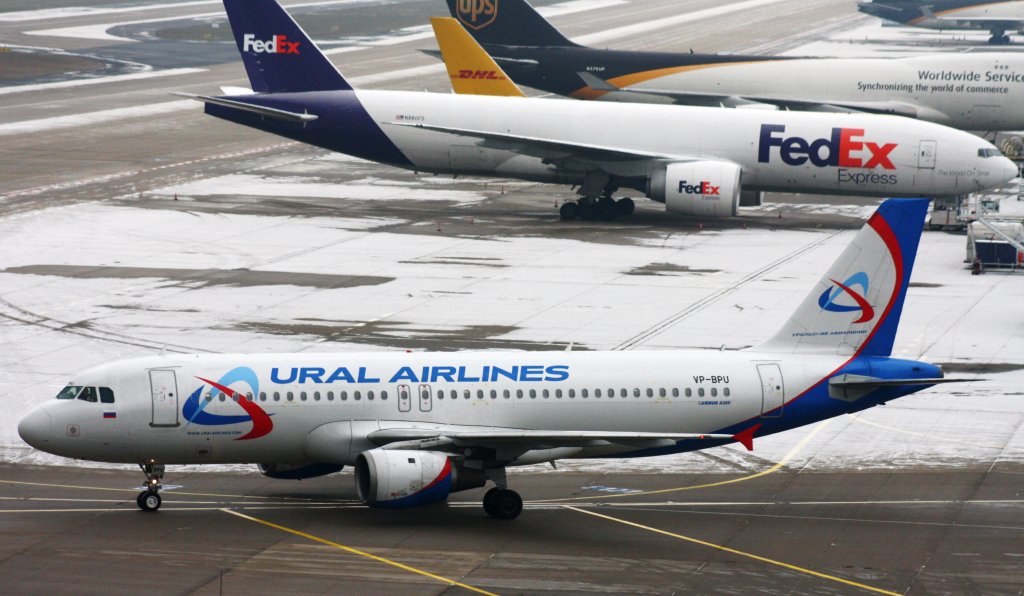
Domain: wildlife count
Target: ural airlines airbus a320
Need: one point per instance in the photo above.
(420, 426)
(694, 160)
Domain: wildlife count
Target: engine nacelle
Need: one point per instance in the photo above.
(697, 188)
(298, 471)
(404, 478)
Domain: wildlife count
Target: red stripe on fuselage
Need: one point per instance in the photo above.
(261, 422)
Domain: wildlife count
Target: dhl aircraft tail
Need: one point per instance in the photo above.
(471, 69)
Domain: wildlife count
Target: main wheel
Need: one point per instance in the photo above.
(625, 206)
(568, 211)
(588, 210)
(506, 504)
(607, 209)
(489, 501)
(148, 501)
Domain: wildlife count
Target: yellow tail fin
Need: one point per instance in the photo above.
(471, 70)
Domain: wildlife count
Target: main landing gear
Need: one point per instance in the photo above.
(501, 502)
(604, 208)
(149, 499)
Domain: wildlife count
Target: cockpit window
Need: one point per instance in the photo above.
(106, 395)
(989, 152)
(69, 392)
(88, 394)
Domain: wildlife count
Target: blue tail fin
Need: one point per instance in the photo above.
(506, 23)
(856, 307)
(278, 55)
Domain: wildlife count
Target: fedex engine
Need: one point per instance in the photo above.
(397, 479)
(697, 188)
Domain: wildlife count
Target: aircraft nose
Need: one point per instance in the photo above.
(34, 428)
(1007, 170)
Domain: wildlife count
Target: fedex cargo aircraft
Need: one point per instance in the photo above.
(985, 15)
(694, 160)
(970, 91)
(419, 426)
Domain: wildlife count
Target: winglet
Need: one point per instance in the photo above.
(471, 69)
(595, 82)
(746, 436)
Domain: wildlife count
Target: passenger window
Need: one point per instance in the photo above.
(263, 396)
(533, 394)
(507, 394)
(106, 395)
(636, 392)
(369, 395)
(700, 392)
(248, 396)
(343, 395)
(583, 392)
(661, 392)
(519, 393)
(597, 393)
(221, 396)
(572, 393)
(479, 393)
(384, 395)
(675, 392)
(689, 392)
(357, 396)
(316, 396)
(494, 393)
(330, 396)
(291, 396)
(302, 396)
(650, 392)
(558, 393)
(277, 396)
(725, 392)
(623, 392)
(546, 393)
(714, 391)
(440, 394)
(467, 394)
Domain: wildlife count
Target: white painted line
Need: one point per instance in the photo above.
(91, 118)
(654, 25)
(135, 76)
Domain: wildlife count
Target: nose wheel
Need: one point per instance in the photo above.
(149, 499)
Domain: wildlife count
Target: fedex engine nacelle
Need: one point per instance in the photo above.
(698, 188)
(397, 479)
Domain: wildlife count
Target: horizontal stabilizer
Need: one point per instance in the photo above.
(853, 387)
(595, 82)
(248, 107)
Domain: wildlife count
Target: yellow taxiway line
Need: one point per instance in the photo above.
(733, 551)
(361, 553)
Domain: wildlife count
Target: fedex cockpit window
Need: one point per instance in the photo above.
(69, 392)
(989, 152)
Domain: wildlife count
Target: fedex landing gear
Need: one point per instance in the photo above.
(149, 499)
(501, 502)
(605, 209)
(999, 38)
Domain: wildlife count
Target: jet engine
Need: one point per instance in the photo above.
(399, 479)
(697, 188)
(298, 471)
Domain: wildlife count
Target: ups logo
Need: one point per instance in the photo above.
(477, 14)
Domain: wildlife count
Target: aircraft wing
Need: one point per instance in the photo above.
(513, 442)
(568, 154)
(732, 101)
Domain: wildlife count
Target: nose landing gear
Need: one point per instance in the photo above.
(149, 499)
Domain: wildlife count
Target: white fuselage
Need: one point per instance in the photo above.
(669, 392)
(980, 92)
(882, 156)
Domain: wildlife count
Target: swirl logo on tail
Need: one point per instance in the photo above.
(195, 412)
(827, 300)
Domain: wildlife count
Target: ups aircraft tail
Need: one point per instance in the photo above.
(278, 55)
(855, 308)
(471, 70)
(506, 22)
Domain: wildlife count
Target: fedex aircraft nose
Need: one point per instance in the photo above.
(34, 428)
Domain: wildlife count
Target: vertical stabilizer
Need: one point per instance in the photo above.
(471, 70)
(506, 23)
(278, 55)
(856, 307)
